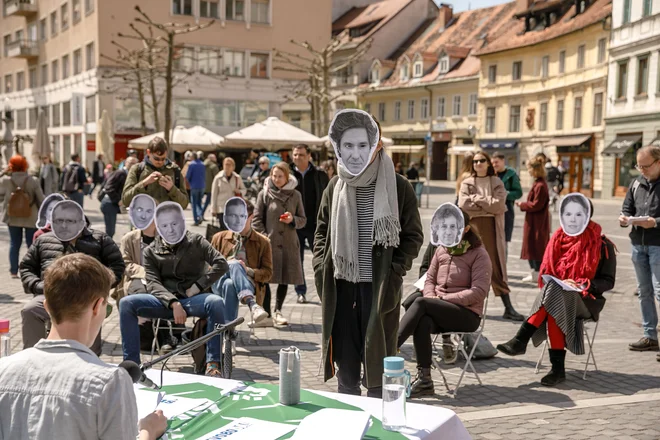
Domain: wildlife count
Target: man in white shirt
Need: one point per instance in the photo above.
(59, 389)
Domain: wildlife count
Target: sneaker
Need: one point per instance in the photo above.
(302, 299)
(14, 276)
(265, 322)
(258, 314)
(213, 369)
(644, 344)
(278, 319)
(449, 353)
(529, 278)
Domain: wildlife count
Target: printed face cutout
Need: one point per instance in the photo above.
(574, 214)
(67, 220)
(447, 226)
(170, 222)
(354, 136)
(141, 211)
(46, 209)
(235, 215)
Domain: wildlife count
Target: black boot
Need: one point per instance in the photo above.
(423, 383)
(558, 373)
(509, 311)
(518, 344)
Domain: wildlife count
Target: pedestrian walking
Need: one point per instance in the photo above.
(330, 168)
(188, 157)
(211, 165)
(73, 180)
(278, 214)
(483, 197)
(226, 184)
(511, 182)
(98, 173)
(21, 197)
(536, 231)
(196, 178)
(111, 196)
(49, 178)
(412, 173)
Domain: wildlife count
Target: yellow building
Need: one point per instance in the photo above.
(542, 88)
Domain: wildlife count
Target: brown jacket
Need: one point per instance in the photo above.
(259, 256)
(536, 232)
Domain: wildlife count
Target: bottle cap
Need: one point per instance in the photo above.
(4, 326)
(393, 365)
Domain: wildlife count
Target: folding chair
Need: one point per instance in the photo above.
(458, 336)
(591, 360)
(156, 324)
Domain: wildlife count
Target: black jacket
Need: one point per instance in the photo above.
(604, 279)
(80, 171)
(643, 199)
(97, 171)
(171, 270)
(311, 188)
(47, 248)
(114, 186)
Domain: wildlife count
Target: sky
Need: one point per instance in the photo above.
(462, 5)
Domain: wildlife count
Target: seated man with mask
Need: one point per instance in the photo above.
(178, 283)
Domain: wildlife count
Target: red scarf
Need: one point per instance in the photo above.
(574, 258)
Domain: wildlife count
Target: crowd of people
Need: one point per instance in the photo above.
(360, 219)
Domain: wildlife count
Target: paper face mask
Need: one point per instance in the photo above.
(574, 214)
(46, 209)
(170, 222)
(354, 136)
(141, 211)
(235, 215)
(67, 220)
(447, 226)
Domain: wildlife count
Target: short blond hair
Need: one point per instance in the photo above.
(229, 160)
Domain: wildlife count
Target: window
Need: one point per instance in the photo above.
(32, 32)
(77, 61)
(514, 119)
(66, 113)
(75, 11)
(626, 11)
(53, 23)
(543, 116)
(44, 74)
(516, 72)
(622, 80)
(21, 119)
(418, 68)
(580, 56)
(89, 6)
(259, 11)
(182, 7)
(456, 106)
(397, 111)
(367, 108)
(648, 8)
(403, 74)
(90, 108)
(381, 111)
(602, 47)
(545, 66)
(258, 65)
(19, 35)
(444, 64)
(235, 10)
(43, 32)
(492, 74)
(472, 105)
(20, 81)
(598, 109)
(32, 118)
(32, 78)
(441, 107)
(9, 83)
(208, 61)
(65, 66)
(375, 74)
(233, 63)
(6, 42)
(424, 108)
(562, 61)
(490, 120)
(55, 71)
(560, 115)
(577, 112)
(64, 16)
(90, 57)
(642, 75)
(55, 113)
(208, 9)
(411, 109)
(184, 59)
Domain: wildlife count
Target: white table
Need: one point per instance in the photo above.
(424, 421)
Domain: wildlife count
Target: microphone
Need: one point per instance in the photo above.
(137, 375)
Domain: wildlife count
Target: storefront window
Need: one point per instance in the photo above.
(627, 170)
(587, 168)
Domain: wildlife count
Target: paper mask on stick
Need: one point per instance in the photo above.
(574, 214)
(67, 220)
(46, 209)
(141, 211)
(447, 226)
(235, 215)
(354, 136)
(170, 222)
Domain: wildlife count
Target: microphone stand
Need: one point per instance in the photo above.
(190, 346)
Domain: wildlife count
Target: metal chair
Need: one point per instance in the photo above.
(591, 360)
(458, 336)
(157, 325)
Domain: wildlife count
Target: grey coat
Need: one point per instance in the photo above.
(51, 178)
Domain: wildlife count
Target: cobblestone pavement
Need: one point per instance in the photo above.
(619, 401)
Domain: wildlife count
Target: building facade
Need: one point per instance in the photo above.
(633, 92)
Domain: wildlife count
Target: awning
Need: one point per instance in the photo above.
(655, 142)
(621, 144)
(506, 144)
(568, 141)
(459, 150)
(406, 148)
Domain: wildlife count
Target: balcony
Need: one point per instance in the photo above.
(23, 49)
(23, 8)
(345, 81)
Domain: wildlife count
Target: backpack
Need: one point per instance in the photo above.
(177, 173)
(70, 182)
(19, 202)
(553, 174)
(484, 350)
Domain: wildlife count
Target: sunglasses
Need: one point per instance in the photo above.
(479, 161)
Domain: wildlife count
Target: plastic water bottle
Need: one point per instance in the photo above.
(289, 376)
(396, 387)
(5, 338)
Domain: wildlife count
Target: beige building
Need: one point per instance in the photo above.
(51, 60)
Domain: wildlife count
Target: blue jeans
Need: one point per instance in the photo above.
(233, 287)
(15, 242)
(646, 260)
(110, 211)
(202, 305)
(196, 200)
(207, 202)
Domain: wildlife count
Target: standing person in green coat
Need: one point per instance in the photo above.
(511, 181)
(368, 233)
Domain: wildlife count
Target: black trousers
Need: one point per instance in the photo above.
(279, 299)
(535, 265)
(349, 331)
(428, 316)
(305, 234)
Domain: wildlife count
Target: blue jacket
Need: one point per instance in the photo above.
(196, 174)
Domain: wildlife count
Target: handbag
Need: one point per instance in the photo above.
(212, 229)
(484, 350)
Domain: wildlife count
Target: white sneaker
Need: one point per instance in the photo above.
(258, 314)
(267, 322)
(278, 319)
(531, 278)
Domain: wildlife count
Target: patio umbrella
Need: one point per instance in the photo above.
(183, 139)
(272, 134)
(105, 144)
(387, 142)
(41, 143)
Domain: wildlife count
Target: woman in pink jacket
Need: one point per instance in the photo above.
(457, 284)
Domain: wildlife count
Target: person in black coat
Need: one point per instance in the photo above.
(98, 168)
(110, 195)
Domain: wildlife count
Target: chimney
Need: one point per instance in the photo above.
(523, 5)
(445, 14)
